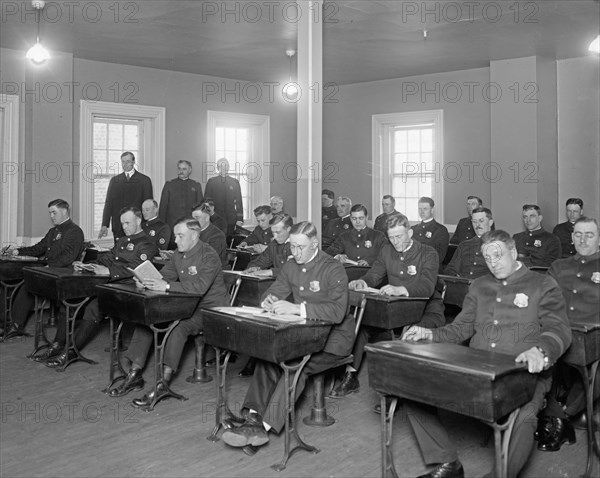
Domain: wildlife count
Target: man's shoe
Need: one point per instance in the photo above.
(14, 331)
(61, 359)
(133, 381)
(250, 433)
(580, 421)
(51, 352)
(348, 385)
(147, 399)
(248, 369)
(559, 432)
(544, 427)
(446, 470)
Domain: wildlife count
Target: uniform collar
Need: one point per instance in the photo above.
(427, 221)
(578, 257)
(150, 221)
(63, 224)
(516, 275)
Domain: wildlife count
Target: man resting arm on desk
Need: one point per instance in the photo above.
(270, 262)
(516, 312)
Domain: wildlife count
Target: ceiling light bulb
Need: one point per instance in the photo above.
(291, 92)
(38, 54)
(595, 45)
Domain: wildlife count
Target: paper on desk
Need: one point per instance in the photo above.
(351, 262)
(258, 312)
(369, 290)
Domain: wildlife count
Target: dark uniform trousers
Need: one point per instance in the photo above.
(322, 286)
(196, 271)
(61, 246)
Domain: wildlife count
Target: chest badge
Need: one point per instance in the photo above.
(596, 277)
(315, 286)
(152, 232)
(192, 270)
(428, 234)
(58, 236)
(346, 226)
(368, 244)
(161, 240)
(143, 257)
(412, 270)
(537, 243)
(130, 247)
(521, 300)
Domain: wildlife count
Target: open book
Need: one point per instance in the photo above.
(146, 270)
(259, 312)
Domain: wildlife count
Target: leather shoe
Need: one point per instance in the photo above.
(250, 433)
(581, 420)
(557, 431)
(348, 385)
(14, 331)
(453, 469)
(248, 369)
(61, 359)
(147, 399)
(133, 381)
(51, 352)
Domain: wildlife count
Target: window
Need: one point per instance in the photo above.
(408, 159)
(244, 140)
(107, 130)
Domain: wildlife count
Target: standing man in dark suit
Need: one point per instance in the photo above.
(227, 195)
(128, 189)
(564, 230)
(179, 195)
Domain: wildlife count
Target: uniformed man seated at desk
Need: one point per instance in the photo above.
(468, 260)
(527, 315)
(342, 223)
(388, 204)
(210, 233)
(278, 252)
(429, 231)
(157, 230)
(464, 228)
(536, 246)
(215, 219)
(574, 210)
(320, 289)
(579, 278)
(194, 268)
(412, 270)
(361, 244)
(261, 235)
(328, 209)
(130, 251)
(61, 245)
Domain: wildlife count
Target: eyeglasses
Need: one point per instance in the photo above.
(295, 247)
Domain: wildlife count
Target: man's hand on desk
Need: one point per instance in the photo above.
(10, 251)
(357, 284)
(285, 307)
(415, 334)
(536, 360)
(257, 271)
(363, 263)
(396, 291)
(341, 257)
(97, 269)
(165, 255)
(157, 285)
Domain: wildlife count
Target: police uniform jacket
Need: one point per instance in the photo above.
(563, 231)
(259, 236)
(537, 248)
(380, 222)
(333, 229)
(359, 245)
(464, 231)
(468, 260)
(322, 286)
(273, 257)
(129, 251)
(512, 315)
(197, 271)
(216, 239)
(123, 193)
(327, 214)
(61, 246)
(219, 222)
(178, 198)
(227, 195)
(415, 268)
(579, 278)
(158, 231)
(433, 234)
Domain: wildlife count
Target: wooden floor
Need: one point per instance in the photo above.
(60, 424)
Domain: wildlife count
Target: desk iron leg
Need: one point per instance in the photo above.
(40, 332)
(115, 357)
(502, 433)
(71, 312)
(159, 353)
(10, 290)
(589, 377)
(223, 414)
(290, 414)
(387, 420)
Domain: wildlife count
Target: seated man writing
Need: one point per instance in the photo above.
(261, 236)
(277, 253)
(320, 289)
(515, 311)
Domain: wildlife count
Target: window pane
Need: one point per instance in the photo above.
(115, 136)
(131, 137)
(242, 139)
(100, 164)
(427, 160)
(414, 140)
(99, 140)
(412, 186)
(399, 160)
(220, 140)
(427, 140)
(400, 141)
(230, 139)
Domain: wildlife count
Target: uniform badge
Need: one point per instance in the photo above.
(325, 218)
(130, 247)
(315, 286)
(161, 240)
(193, 189)
(596, 277)
(412, 270)
(346, 226)
(231, 188)
(428, 234)
(143, 257)
(521, 300)
(368, 244)
(537, 243)
(192, 270)
(58, 236)
(152, 233)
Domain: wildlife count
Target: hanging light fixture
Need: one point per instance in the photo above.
(595, 45)
(37, 53)
(291, 89)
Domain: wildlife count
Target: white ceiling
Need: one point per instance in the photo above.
(364, 40)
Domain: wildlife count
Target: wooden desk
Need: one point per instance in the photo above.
(252, 288)
(355, 272)
(127, 303)
(391, 312)
(456, 289)
(60, 285)
(584, 355)
(476, 383)
(243, 258)
(269, 340)
(11, 279)
(449, 253)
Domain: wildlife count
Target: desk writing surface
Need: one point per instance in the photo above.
(456, 289)
(11, 267)
(252, 288)
(61, 283)
(243, 258)
(132, 304)
(477, 383)
(390, 312)
(263, 338)
(585, 347)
